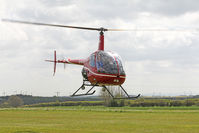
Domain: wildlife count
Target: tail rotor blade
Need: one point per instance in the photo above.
(64, 65)
(55, 62)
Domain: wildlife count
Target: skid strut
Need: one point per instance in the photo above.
(83, 87)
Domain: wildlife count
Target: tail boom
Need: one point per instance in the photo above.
(69, 61)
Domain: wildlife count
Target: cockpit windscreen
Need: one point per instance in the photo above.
(109, 62)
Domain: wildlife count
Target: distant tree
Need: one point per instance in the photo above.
(108, 100)
(15, 101)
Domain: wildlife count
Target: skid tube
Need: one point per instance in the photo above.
(128, 96)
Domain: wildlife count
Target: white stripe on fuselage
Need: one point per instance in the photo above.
(103, 74)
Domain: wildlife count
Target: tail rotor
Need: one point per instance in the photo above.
(55, 62)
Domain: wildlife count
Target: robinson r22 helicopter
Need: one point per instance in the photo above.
(100, 69)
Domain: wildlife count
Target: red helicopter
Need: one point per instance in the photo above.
(100, 69)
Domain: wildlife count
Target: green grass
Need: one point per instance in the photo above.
(100, 120)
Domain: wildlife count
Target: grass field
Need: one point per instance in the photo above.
(100, 120)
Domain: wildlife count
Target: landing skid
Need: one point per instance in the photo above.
(128, 97)
(87, 83)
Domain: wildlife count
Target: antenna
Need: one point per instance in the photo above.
(57, 93)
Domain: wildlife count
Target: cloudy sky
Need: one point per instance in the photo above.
(156, 63)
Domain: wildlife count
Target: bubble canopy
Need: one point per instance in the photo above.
(107, 62)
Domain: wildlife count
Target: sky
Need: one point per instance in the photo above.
(156, 62)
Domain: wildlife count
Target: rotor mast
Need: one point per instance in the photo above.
(101, 41)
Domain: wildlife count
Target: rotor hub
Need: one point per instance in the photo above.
(102, 29)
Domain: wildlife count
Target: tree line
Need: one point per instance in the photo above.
(120, 103)
(19, 101)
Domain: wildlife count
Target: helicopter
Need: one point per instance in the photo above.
(101, 69)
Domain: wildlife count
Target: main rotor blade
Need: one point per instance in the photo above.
(178, 30)
(54, 25)
(98, 29)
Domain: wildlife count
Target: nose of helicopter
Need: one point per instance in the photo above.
(113, 80)
(119, 80)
